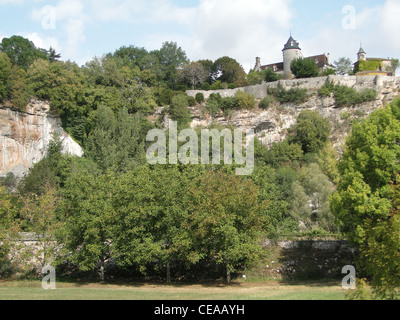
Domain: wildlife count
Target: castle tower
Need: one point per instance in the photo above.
(257, 67)
(291, 52)
(362, 55)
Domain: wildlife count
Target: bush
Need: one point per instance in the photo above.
(192, 101)
(229, 103)
(206, 87)
(179, 111)
(346, 96)
(304, 68)
(294, 95)
(245, 101)
(200, 97)
(311, 132)
(266, 102)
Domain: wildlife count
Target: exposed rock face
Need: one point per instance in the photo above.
(272, 125)
(25, 137)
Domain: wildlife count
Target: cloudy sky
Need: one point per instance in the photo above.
(207, 29)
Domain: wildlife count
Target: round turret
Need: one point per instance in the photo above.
(291, 52)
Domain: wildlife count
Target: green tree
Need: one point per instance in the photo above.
(86, 235)
(228, 70)
(225, 218)
(115, 141)
(152, 230)
(310, 206)
(179, 110)
(19, 93)
(311, 131)
(171, 57)
(367, 166)
(5, 73)
(195, 74)
(344, 66)
(43, 216)
(21, 51)
(58, 82)
(304, 68)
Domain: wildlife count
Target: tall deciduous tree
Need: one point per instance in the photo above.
(225, 217)
(365, 203)
(195, 74)
(344, 66)
(21, 51)
(228, 70)
(87, 232)
(5, 72)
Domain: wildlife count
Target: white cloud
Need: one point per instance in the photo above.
(70, 19)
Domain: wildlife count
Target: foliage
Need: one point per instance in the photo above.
(22, 52)
(18, 92)
(179, 110)
(115, 142)
(5, 72)
(310, 201)
(228, 70)
(266, 102)
(86, 233)
(271, 76)
(245, 101)
(343, 66)
(366, 169)
(304, 68)
(225, 219)
(195, 74)
(57, 82)
(200, 97)
(293, 95)
(369, 65)
(311, 131)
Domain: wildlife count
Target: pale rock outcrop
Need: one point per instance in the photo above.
(25, 137)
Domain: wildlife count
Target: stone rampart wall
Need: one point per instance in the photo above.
(378, 83)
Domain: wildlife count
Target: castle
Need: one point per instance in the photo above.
(374, 66)
(292, 51)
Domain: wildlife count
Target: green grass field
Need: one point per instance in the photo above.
(265, 290)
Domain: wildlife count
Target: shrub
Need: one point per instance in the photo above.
(229, 103)
(200, 97)
(304, 68)
(346, 96)
(206, 86)
(232, 86)
(179, 111)
(192, 101)
(266, 102)
(245, 101)
(294, 95)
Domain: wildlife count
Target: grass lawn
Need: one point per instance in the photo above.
(245, 290)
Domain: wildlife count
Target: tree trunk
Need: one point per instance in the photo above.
(169, 273)
(228, 274)
(102, 271)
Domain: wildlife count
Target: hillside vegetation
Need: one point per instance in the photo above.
(112, 209)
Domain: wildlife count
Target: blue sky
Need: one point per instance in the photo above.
(207, 29)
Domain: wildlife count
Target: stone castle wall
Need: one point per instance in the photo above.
(382, 84)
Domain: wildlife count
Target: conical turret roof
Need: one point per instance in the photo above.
(291, 44)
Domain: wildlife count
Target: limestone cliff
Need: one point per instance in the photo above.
(271, 125)
(25, 137)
